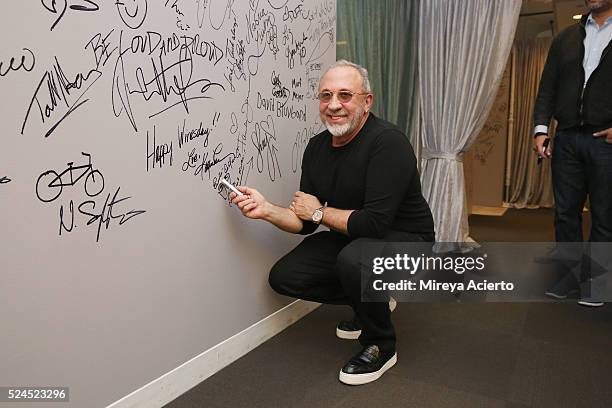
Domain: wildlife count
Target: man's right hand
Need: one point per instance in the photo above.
(252, 203)
(538, 147)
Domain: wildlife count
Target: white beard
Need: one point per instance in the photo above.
(345, 129)
(338, 130)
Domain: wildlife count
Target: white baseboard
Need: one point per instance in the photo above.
(171, 385)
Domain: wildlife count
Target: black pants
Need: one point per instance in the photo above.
(581, 166)
(325, 268)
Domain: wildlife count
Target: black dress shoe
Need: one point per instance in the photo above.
(367, 366)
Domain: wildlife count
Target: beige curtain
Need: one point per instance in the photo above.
(530, 185)
(463, 49)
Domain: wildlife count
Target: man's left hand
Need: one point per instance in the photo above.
(304, 205)
(607, 133)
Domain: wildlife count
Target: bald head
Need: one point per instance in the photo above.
(362, 72)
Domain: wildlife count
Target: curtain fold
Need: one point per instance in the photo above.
(530, 185)
(463, 49)
(381, 35)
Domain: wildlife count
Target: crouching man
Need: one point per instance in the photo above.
(359, 179)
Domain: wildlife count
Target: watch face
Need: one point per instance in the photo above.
(317, 216)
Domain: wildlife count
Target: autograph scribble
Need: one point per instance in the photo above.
(103, 217)
(264, 140)
(180, 16)
(158, 154)
(133, 13)
(224, 77)
(50, 185)
(55, 87)
(299, 145)
(165, 81)
(181, 73)
(26, 62)
(52, 7)
(5, 180)
(203, 163)
(202, 5)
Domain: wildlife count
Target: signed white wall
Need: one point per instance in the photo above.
(120, 255)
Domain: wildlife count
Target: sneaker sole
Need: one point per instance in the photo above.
(348, 335)
(354, 335)
(358, 379)
(392, 304)
(590, 304)
(555, 295)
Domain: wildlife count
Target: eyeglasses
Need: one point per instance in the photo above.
(343, 96)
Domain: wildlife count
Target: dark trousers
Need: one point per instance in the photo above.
(325, 268)
(581, 166)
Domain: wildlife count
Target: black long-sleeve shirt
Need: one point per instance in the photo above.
(375, 174)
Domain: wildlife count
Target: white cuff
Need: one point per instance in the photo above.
(540, 129)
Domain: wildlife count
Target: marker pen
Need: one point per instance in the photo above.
(544, 147)
(227, 185)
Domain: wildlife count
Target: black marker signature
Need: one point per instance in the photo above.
(264, 139)
(235, 53)
(202, 5)
(185, 137)
(278, 7)
(279, 90)
(180, 24)
(166, 81)
(323, 45)
(26, 62)
(181, 73)
(297, 49)
(52, 7)
(158, 153)
(297, 12)
(5, 180)
(120, 91)
(133, 13)
(56, 88)
(203, 163)
(226, 12)
(100, 47)
(262, 29)
(108, 213)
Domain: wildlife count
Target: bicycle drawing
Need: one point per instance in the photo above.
(50, 184)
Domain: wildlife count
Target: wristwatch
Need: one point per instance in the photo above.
(317, 215)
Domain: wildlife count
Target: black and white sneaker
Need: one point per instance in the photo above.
(588, 302)
(592, 292)
(367, 366)
(568, 285)
(351, 329)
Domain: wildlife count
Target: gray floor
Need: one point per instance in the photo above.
(449, 355)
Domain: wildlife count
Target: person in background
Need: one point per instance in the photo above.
(575, 89)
